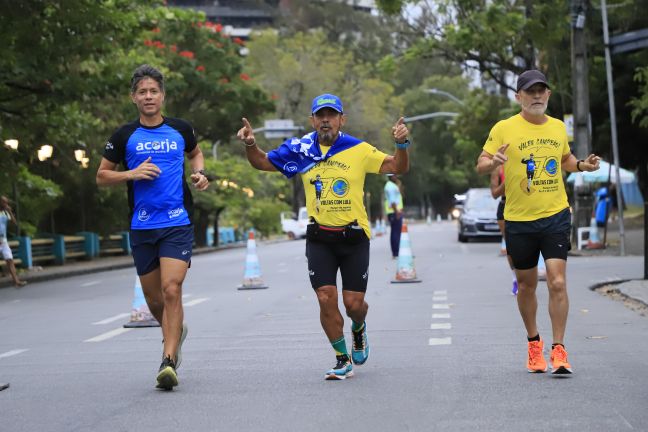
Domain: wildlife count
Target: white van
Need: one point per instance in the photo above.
(294, 227)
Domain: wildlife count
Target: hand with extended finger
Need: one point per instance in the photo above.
(199, 181)
(400, 131)
(500, 157)
(591, 163)
(246, 134)
(145, 171)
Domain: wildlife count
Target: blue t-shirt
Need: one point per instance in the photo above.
(165, 201)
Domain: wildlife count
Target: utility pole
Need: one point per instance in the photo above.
(580, 80)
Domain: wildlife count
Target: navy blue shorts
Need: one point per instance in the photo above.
(150, 245)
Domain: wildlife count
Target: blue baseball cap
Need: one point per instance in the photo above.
(326, 101)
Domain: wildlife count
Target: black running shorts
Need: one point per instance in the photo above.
(324, 260)
(549, 236)
(500, 210)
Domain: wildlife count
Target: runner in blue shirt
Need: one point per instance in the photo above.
(151, 150)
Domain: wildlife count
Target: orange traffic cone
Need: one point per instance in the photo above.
(405, 272)
(140, 314)
(252, 277)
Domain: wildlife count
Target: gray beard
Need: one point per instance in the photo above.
(326, 138)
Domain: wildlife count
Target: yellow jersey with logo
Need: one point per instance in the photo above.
(533, 180)
(341, 191)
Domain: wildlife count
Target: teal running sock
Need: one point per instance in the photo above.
(355, 327)
(340, 347)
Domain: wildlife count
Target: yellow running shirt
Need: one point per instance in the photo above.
(533, 178)
(342, 176)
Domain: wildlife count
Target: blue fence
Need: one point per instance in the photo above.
(58, 249)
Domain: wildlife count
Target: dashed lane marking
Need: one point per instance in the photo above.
(194, 302)
(440, 316)
(112, 318)
(12, 353)
(440, 341)
(108, 335)
(87, 284)
(440, 306)
(440, 326)
(440, 298)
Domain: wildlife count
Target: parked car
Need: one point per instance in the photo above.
(294, 226)
(478, 217)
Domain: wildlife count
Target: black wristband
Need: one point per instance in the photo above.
(578, 162)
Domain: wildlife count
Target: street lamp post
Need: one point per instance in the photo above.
(446, 94)
(12, 144)
(613, 129)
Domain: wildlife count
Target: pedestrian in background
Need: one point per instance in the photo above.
(394, 210)
(152, 151)
(6, 215)
(537, 213)
(497, 191)
(338, 235)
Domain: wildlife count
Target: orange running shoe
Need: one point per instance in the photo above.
(559, 363)
(536, 362)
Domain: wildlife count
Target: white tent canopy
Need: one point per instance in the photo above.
(601, 175)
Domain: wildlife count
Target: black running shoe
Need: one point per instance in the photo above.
(167, 377)
(341, 370)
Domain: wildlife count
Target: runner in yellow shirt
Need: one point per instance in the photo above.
(534, 150)
(333, 166)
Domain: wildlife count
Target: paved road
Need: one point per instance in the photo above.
(447, 354)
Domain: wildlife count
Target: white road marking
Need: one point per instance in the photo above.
(186, 295)
(440, 341)
(440, 298)
(111, 319)
(108, 335)
(440, 316)
(440, 326)
(87, 284)
(12, 353)
(440, 292)
(440, 306)
(194, 302)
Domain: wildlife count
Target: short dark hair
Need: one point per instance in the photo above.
(146, 71)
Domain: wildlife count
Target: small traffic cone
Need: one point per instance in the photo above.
(594, 241)
(252, 277)
(140, 314)
(405, 272)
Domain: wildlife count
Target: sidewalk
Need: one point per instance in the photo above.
(75, 268)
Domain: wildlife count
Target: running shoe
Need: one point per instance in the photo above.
(559, 363)
(536, 362)
(342, 369)
(360, 350)
(183, 336)
(514, 290)
(167, 377)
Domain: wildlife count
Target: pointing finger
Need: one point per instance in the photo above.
(246, 123)
(400, 121)
(503, 148)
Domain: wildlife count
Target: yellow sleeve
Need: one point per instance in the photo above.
(494, 140)
(373, 159)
